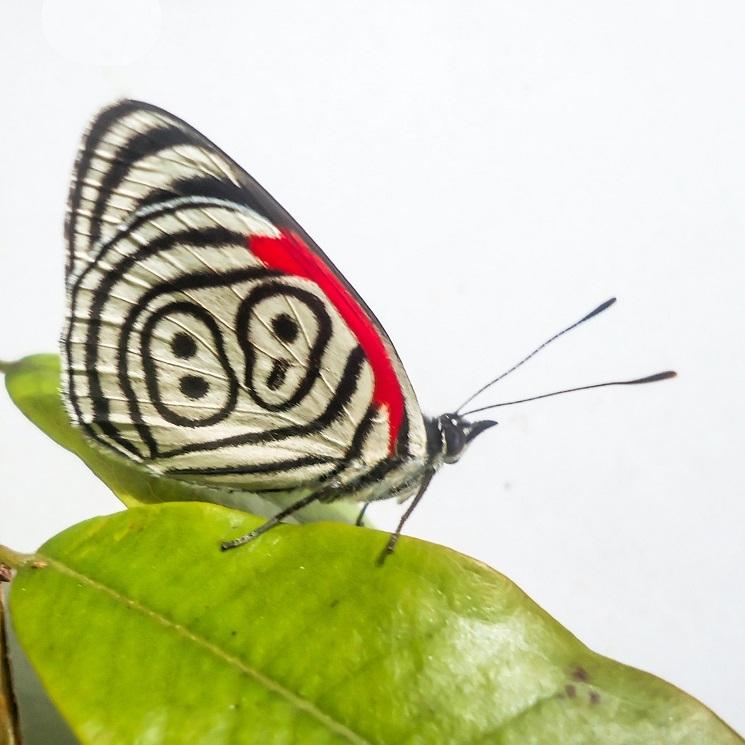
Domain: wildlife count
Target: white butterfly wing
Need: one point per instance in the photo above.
(209, 338)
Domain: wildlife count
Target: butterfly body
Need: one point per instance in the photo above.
(209, 339)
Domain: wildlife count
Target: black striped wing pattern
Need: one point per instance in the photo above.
(207, 337)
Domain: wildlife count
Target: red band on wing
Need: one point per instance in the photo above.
(288, 253)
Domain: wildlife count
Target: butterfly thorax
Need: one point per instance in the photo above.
(448, 436)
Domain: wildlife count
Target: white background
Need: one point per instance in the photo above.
(483, 173)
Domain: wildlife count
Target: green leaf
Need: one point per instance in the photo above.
(34, 386)
(42, 722)
(143, 631)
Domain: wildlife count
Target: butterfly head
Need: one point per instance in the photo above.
(452, 434)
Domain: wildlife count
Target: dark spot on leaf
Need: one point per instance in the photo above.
(334, 603)
(594, 697)
(571, 690)
(580, 674)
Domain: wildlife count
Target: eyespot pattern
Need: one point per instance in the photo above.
(166, 345)
(283, 331)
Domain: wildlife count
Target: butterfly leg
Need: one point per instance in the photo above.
(271, 522)
(360, 517)
(393, 538)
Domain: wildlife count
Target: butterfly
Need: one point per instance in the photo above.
(208, 338)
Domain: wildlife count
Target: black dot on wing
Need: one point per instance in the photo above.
(278, 374)
(183, 346)
(285, 327)
(193, 386)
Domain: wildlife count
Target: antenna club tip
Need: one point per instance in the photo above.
(666, 375)
(603, 306)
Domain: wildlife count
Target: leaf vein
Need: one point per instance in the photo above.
(296, 700)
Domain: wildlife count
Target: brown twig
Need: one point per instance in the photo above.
(14, 559)
(10, 731)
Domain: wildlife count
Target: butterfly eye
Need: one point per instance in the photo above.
(187, 374)
(283, 331)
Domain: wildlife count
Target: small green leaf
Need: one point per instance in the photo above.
(143, 631)
(34, 386)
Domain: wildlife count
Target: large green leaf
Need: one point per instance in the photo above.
(143, 631)
(34, 386)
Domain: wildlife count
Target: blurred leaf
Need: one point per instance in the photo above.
(34, 386)
(143, 631)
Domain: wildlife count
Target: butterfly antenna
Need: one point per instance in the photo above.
(591, 314)
(637, 381)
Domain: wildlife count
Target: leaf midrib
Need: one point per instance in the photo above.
(302, 704)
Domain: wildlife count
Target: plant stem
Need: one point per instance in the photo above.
(5, 365)
(14, 559)
(10, 731)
